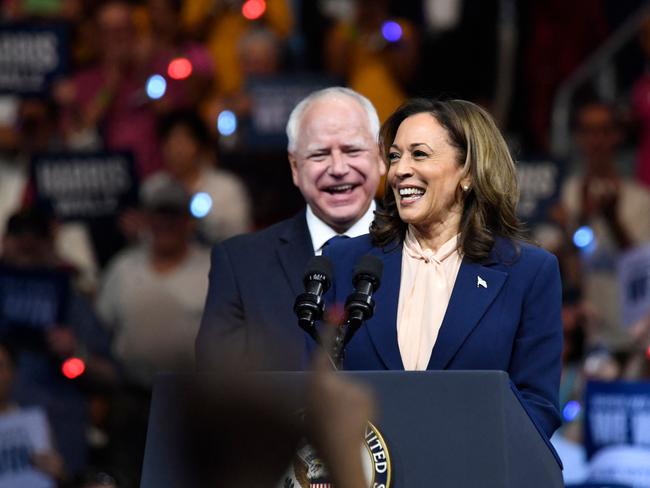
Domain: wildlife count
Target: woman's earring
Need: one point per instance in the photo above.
(465, 188)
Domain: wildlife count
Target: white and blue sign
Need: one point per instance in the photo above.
(273, 98)
(616, 413)
(539, 187)
(32, 299)
(83, 186)
(31, 57)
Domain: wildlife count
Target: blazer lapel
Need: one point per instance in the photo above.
(475, 289)
(381, 327)
(294, 251)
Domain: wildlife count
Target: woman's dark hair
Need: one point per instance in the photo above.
(489, 204)
(187, 119)
(35, 221)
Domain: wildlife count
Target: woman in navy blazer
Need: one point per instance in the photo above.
(450, 174)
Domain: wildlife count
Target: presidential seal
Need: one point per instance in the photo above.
(308, 471)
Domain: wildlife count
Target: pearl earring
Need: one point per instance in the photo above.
(465, 187)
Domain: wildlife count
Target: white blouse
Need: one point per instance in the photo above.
(425, 290)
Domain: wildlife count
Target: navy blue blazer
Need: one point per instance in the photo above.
(248, 314)
(513, 323)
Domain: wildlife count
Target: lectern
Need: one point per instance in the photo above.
(448, 429)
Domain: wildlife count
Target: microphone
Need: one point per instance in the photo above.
(360, 305)
(309, 305)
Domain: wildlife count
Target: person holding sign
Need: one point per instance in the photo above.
(48, 322)
(460, 288)
(106, 104)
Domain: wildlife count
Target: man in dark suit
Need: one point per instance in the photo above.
(248, 318)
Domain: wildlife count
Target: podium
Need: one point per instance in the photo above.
(448, 429)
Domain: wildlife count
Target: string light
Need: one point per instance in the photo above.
(571, 410)
(227, 123)
(200, 205)
(156, 87)
(583, 237)
(391, 31)
(253, 9)
(73, 368)
(179, 68)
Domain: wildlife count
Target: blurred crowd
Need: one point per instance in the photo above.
(94, 307)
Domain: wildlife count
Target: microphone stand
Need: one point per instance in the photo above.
(343, 335)
(337, 347)
(359, 307)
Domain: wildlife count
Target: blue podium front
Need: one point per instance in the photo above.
(448, 429)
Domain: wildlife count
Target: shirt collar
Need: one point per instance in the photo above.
(321, 232)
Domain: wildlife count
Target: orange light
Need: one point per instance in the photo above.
(179, 68)
(73, 368)
(253, 9)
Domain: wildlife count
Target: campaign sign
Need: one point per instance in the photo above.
(539, 186)
(83, 186)
(31, 57)
(634, 283)
(272, 100)
(33, 299)
(616, 413)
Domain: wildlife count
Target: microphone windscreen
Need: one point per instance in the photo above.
(319, 268)
(369, 266)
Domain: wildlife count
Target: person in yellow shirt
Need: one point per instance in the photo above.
(222, 25)
(376, 62)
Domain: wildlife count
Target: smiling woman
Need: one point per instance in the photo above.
(461, 288)
(465, 162)
(425, 174)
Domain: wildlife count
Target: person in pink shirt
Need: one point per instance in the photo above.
(186, 64)
(106, 105)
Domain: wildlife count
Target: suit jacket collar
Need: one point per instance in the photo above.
(294, 249)
(476, 287)
(382, 329)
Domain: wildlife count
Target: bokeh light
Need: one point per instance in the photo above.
(571, 410)
(156, 87)
(253, 9)
(227, 123)
(73, 368)
(200, 205)
(391, 31)
(583, 237)
(179, 68)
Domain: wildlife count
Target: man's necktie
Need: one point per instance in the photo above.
(336, 238)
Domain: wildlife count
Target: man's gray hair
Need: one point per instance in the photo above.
(332, 92)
